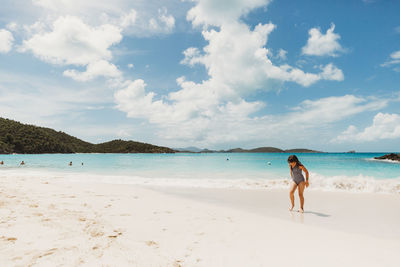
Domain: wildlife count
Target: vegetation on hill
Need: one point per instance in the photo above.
(120, 146)
(301, 150)
(21, 138)
(266, 149)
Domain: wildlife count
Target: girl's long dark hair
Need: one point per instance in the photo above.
(293, 158)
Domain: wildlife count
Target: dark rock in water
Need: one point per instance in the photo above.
(391, 156)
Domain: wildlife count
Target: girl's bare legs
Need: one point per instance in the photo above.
(291, 194)
(301, 186)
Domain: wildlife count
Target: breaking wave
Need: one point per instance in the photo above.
(355, 184)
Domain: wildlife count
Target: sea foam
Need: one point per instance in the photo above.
(355, 184)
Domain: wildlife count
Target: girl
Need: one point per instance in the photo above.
(296, 169)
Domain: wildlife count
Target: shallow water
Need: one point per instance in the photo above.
(354, 172)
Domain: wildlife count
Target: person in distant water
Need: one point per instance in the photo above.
(296, 172)
(22, 163)
(70, 163)
(82, 163)
(1, 162)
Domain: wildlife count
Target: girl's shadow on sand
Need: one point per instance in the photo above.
(318, 213)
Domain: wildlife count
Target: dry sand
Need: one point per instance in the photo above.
(54, 222)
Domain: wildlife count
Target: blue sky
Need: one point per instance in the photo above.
(218, 74)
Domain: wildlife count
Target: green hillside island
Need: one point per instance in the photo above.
(21, 138)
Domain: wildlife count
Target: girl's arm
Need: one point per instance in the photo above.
(306, 172)
(291, 173)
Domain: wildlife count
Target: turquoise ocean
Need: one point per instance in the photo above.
(356, 172)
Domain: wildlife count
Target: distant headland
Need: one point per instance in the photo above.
(16, 137)
(241, 150)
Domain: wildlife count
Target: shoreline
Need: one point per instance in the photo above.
(351, 184)
(60, 222)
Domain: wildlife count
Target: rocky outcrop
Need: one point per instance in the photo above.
(391, 156)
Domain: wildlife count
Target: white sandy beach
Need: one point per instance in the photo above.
(55, 222)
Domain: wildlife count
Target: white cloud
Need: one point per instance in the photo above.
(213, 110)
(282, 54)
(123, 134)
(191, 114)
(167, 20)
(136, 103)
(93, 11)
(130, 65)
(309, 120)
(319, 44)
(394, 59)
(35, 28)
(330, 72)
(384, 126)
(218, 13)
(194, 120)
(12, 26)
(199, 114)
(6, 41)
(194, 101)
(395, 55)
(93, 70)
(144, 25)
(72, 42)
(245, 66)
(331, 109)
(192, 56)
(81, 33)
(140, 18)
(129, 19)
